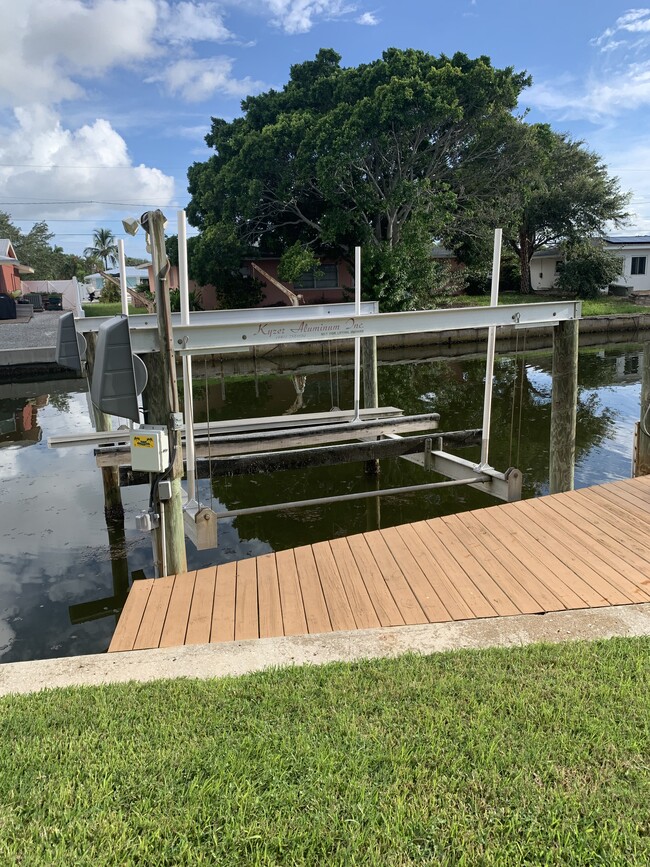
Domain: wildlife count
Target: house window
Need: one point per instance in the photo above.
(322, 277)
(638, 264)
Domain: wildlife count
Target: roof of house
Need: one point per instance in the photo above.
(8, 257)
(628, 239)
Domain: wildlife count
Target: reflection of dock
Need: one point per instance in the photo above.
(582, 549)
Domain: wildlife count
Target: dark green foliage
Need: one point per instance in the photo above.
(551, 189)
(344, 156)
(175, 301)
(587, 269)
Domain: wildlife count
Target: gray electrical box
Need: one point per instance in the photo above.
(118, 375)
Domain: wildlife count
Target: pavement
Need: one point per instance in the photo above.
(242, 657)
(29, 342)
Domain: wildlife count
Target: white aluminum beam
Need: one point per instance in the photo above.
(144, 326)
(201, 339)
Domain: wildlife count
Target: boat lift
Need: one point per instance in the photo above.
(219, 332)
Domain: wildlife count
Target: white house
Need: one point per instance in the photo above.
(632, 250)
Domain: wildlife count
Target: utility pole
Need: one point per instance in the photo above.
(162, 402)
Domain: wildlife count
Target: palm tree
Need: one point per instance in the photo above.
(104, 247)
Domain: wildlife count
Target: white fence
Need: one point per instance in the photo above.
(69, 289)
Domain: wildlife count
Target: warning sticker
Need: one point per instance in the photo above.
(143, 442)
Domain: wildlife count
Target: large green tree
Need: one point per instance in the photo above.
(552, 190)
(344, 156)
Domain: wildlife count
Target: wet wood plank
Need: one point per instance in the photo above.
(246, 611)
(268, 594)
(223, 610)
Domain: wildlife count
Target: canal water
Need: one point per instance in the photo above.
(63, 579)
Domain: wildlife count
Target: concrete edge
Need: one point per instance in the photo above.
(242, 657)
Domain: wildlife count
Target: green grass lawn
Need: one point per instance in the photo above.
(538, 755)
(101, 308)
(592, 307)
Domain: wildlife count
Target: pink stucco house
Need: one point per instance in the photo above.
(11, 270)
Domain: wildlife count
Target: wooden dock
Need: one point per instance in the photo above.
(583, 549)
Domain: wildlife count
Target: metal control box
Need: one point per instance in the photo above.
(150, 449)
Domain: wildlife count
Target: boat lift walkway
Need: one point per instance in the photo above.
(578, 550)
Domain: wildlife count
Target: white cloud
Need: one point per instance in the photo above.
(633, 21)
(196, 79)
(299, 16)
(54, 46)
(44, 161)
(368, 19)
(188, 22)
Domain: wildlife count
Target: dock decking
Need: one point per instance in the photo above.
(583, 549)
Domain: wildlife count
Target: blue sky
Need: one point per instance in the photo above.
(105, 102)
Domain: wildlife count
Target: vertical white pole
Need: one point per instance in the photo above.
(357, 340)
(489, 364)
(188, 401)
(124, 297)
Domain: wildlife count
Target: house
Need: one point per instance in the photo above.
(11, 270)
(632, 250)
(134, 277)
(331, 282)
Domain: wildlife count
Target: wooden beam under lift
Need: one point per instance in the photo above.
(282, 439)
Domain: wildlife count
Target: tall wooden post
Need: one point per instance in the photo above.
(113, 508)
(162, 397)
(643, 451)
(370, 389)
(564, 402)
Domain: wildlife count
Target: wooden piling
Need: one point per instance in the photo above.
(642, 467)
(370, 387)
(113, 508)
(564, 401)
(162, 398)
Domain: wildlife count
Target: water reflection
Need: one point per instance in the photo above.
(64, 573)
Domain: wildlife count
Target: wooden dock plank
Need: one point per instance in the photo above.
(268, 593)
(475, 537)
(577, 564)
(583, 549)
(293, 612)
(130, 618)
(428, 532)
(552, 571)
(340, 612)
(450, 596)
(356, 591)
(375, 583)
(200, 618)
(465, 554)
(178, 611)
(246, 611)
(316, 613)
(401, 541)
(225, 597)
(539, 581)
(605, 554)
(401, 592)
(154, 615)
